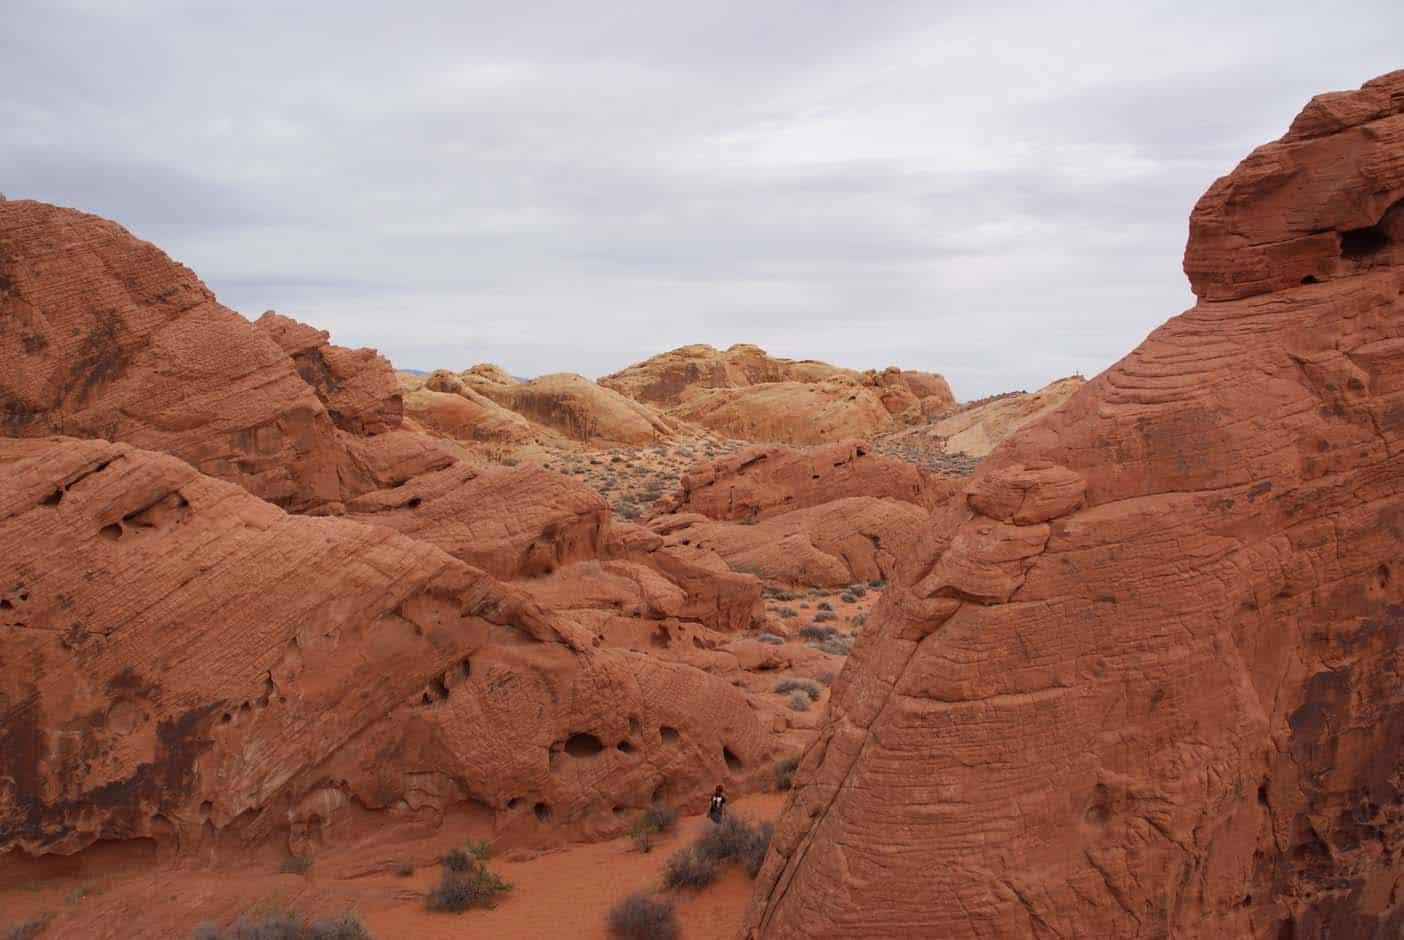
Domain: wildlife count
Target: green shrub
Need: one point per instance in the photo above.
(877, 584)
(478, 886)
(795, 683)
(785, 772)
(642, 917)
(788, 612)
(799, 701)
(824, 616)
(736, 839)
(858, 589)
(657, 817)
(818, 634)
(458, 860)
(825, 605)
(689, 868)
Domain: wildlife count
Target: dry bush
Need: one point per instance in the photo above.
(642, 917)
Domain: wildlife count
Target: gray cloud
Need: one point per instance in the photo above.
(996, 192)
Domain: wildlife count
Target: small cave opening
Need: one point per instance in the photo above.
(582, 744)
(111, 532)
(668, 734)
(52, 499)
(625, 747)
(542, 811)
(1310, 279)
(733, 763)
(1360, 243)
(413, 503)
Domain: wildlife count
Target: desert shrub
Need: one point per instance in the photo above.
(297, 865)
(785, 772)
(772, 639)
(345, 927)
(689, 868)
(859, 619)
(274, 925)
(818, 634)
(788, 612)
(826, 678)
(849, 598)
(642, 917)
(804, 605)
(736, 839)
(877, 584)
(482, 849)
(825, 605)
(458, 891)
(808, 686)
(457, 860)
(404, 871)
(657, 817)
(824, 616)
(799, 701)
(751, 570)
(837, 646)
(29, 929)
(858, 589)
(204, 931)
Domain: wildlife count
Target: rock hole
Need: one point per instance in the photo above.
(226, 718)
(626, 747)
(733, 763)
(111, 532)
(542, 811)
(5, 604)
(1099, 807)
(634, 729)
(414, 503)
(1360, 243)
(52, 499)
(668, 734)
(465, 669)
(1310, 279)
(581, 744)
(514, 802)
(1262, 794)
(1382, 575)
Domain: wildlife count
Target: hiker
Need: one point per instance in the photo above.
(717, 808)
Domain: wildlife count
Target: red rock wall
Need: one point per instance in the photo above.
(183, 662)
(1144, 680)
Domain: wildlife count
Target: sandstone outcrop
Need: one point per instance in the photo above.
(562, 411)
(102, 335)
(854, 538)
(1144, 679)
(743, 392)
(188, 664)
(764, 481)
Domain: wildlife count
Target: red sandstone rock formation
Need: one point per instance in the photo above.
(102, 335)
(186, 663)
(1144, 679)
(765, 481)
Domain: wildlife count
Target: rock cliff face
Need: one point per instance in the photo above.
(102, 335)
(1143, 680)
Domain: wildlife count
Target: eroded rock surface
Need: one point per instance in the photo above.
(1143, 681)
(186, 663)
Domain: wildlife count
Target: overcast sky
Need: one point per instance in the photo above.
(994, 191)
